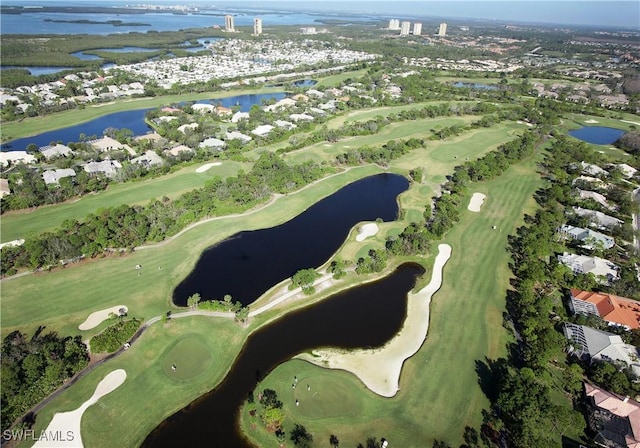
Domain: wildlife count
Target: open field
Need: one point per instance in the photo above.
(466, 318)
(334, 80)
(23, 223)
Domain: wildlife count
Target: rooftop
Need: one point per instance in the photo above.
(615, 309)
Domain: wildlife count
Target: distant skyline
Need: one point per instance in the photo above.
(616, 13)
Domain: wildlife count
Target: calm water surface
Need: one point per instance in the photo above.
(598, 135)
(365, 316)
(247, 264)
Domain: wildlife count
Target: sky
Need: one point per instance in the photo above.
(605, 13)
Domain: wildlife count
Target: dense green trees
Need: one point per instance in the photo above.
(304, 279)
(33, 368)
(114, 336)
(126, 227)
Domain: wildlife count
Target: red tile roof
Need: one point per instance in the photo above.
(615, 309)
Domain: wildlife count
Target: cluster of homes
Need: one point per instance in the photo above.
(237, 58)
(615, 419)
(604, 270)
(475, 65)
(93, 87)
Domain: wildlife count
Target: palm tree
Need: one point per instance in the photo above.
(333, 440)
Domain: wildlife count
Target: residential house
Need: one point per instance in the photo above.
(240, 116)
(105, 144)
(593, 170)
(588, 237)
(148, 159)
(616, 310)
(52, 177)
(235, 135)
(285, 124)
(604, 270)
(4, 188)
(301, 117)
(190, 126)
(55, 151)
(590, 344)
(107, 167)
(614, 419)
(627, 171)
(599, 198)
(7, 157)
(223, 111)
(599, 219)
(175, 151)
(262, 130)
(203, 108)
(212, 143)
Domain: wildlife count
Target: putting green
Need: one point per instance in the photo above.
(189, 355)
(326, 397)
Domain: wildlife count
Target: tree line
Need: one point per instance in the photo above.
(125, 227)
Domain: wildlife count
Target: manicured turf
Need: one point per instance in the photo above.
(23, 223)
(439, 393)
(186, 358)
(334, 80)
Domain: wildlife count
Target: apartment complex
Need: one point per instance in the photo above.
(417, 29)
(405, 27)
(442, 30)
(228, 24)
(257, 26)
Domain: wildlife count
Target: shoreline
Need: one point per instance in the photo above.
(380, 368)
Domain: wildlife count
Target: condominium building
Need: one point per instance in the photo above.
(442, 31)
(417, 29)
(257, 26)
(404, 28)
(228, 23)
(394, 24)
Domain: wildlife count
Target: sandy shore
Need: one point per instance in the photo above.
(64, 428)
(379, 369)
(366, 231)
(97, 317)
(476, 202)
(205, 167)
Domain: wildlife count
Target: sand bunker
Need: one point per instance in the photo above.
(379, 369)
(591, 121)
(476, 202)
(366, 231)
(96, 318)
(204, 168)
(64, 429)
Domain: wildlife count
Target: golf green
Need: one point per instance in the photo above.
(186, 358)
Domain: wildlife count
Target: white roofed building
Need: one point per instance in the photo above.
(52, 177)
(55, 151)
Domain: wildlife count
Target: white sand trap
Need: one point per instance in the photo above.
(205, 167)
(476, 202)
(97, 317)
(64, 429)
(379, 369)
(366, 231)
(591, 121)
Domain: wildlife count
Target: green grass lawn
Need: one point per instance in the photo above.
(24, 223)
(127, 415)
(186, 358)
(439, 393)
(335, 80)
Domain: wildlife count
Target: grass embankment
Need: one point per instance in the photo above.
(24, 223)
(440, 393)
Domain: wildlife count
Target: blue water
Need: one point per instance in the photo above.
(35, 71)
(203, 41)
(33, 22)
(598, 135)
(475, 85)
(131, 119)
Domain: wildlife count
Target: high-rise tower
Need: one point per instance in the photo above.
(442, 31)
(417, 28)
(228, 23)
(257, 26)
(404, 28)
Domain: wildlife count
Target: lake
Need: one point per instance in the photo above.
(268, 256)
(598, 135)
(131, 119)
(365, 316)
(475, 85)
(35, 70)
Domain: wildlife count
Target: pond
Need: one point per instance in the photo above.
(247, 264)
(365, 316)
(475, 85)
(36, 71)
(131, 119)
(598, 135)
